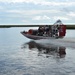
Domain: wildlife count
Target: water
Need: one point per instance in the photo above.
(22, 56)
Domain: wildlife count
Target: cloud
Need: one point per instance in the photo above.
(27, 1)
(1, 7)
(61, 18)
(43, 2)
(72, 14)
(58, 3)
(31, 11)
(41, 18)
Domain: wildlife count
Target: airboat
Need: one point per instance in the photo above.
(55, 31)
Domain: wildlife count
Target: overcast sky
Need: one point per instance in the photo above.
(37, 11)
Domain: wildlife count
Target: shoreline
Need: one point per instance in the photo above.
(8, 26)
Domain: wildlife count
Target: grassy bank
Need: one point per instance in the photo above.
(70, 26)
(8, 26)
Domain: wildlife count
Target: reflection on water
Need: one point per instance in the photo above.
(48, 50)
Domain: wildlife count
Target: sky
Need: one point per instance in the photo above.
(21, 12)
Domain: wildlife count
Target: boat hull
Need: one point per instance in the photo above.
(35, 37)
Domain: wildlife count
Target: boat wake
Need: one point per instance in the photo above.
(65, 42)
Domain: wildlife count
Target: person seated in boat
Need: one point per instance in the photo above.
(57, 30)
(24, 31)
(54, 31)
(35, 32)
(58, 26)
(47, 29)
(41, 30)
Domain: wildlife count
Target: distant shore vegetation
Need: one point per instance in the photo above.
(8, 26)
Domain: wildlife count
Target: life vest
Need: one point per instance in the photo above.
(30, 31)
